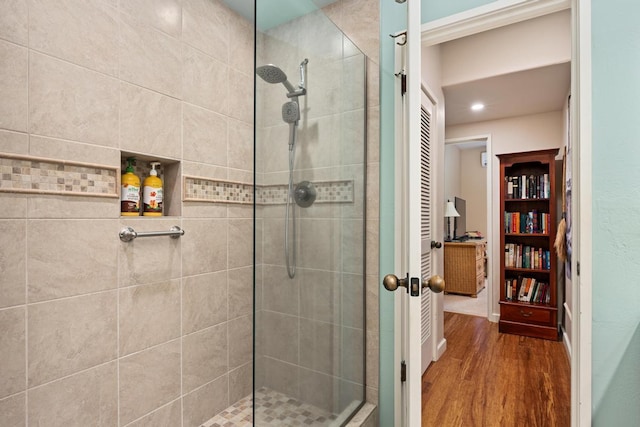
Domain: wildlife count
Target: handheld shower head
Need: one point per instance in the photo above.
(272, 74)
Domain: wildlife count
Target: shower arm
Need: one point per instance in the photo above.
(302, 90)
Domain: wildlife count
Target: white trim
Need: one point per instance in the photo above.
(440, 348)
(493, 15)
(493, 264)
(582, 345)
(567, 311)
(567, 343)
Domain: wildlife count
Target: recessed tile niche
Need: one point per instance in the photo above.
(169, 172)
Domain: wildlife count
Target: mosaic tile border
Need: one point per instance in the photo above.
(37, 175)
(198, 189)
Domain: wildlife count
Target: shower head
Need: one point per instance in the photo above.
(272, 74)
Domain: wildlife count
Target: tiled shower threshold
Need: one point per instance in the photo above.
(273, 409)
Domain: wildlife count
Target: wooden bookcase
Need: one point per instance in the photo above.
(528, 289)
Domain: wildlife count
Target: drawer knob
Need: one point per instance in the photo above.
(526, 314)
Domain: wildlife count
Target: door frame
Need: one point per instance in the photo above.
(504, 12)
(492, 309)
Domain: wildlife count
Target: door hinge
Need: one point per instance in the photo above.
(403, 84)
(403, 371)
(578, 268)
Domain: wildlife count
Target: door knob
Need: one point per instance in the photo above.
(391, 282)
(435, 283)
(436, 245)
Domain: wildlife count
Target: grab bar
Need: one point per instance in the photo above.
(127, 234)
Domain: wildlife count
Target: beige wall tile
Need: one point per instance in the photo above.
(353, 355)
(283, 341)
(353, 293)
(164, 15)
(240, 148)
(205, 136)
(373, 135)
(79, 31)
(12, 351)
(51, 148)
(149, 58)
(149, 315)
(67, 101)
(150, 122)
(202, 404)
(280, 293)
(151, 260)
(167, 416)
(14, 66)
(348, 393)
(361, 22)
(320, 346)
(204, 301)
(148, 380)
(13, 410)
(320, 244)
(240, 243)
(373, 83)
(281, 376)
(241, 292)
(373, 359)
(206, 81)
(240, 97)
(205, 26)
(240, 44)
(54, 273)
(241, 341)
(320, 295)
(318, 389)
(12, 262)
(87, 398)
(204, 246)
(43, 207)
(205, 356)
(68, 335)
(14, 21)
(13, 206)
(14, 142)
(352, 247)
(240, 382)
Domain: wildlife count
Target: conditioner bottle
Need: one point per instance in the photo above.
(152, 193)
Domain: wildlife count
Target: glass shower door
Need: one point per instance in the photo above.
(310, 133)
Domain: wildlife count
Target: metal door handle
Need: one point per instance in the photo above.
(436, 245)
(435, 283)
(391, 282)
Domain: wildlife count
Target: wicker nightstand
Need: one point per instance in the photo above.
(464, 267)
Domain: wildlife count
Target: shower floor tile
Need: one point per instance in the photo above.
(274, 409)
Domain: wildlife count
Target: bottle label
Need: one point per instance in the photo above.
(129, 198)
(152, 199)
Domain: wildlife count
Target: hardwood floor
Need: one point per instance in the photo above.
(486, 378)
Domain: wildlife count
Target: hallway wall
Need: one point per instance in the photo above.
(94, 331)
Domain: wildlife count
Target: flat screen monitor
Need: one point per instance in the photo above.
(460, 222)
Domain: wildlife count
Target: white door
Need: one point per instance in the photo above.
(427, 307)
(413, 226)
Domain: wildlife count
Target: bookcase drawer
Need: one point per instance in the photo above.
(528, 314)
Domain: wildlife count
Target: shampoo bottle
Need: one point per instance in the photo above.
(152, 193)
(130, 191)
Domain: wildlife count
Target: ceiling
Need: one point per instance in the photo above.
(272, 13)
(538, 90)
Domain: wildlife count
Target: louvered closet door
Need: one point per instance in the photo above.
(425, 231)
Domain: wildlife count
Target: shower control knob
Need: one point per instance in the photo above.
(304, 194)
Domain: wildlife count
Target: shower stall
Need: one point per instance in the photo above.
(309, 220)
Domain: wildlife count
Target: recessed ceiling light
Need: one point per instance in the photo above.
(478, 106)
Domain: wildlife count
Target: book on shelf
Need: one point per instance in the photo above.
(527, 289)
(532, 222)
(525, 256)
(527, 186)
